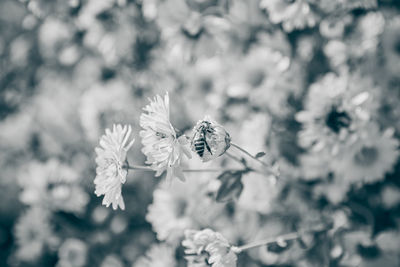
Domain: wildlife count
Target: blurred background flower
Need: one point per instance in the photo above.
(310, 86)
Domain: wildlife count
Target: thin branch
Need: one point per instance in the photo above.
(234, 157)
(281, 238)
(210, 170)
(148, 168)
(250, 155)
(269, 168)
(137, 167)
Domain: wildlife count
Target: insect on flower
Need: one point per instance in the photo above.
(210, 140)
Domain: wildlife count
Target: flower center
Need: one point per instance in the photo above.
(336, 120)
(181, 207)
(256, 78)
(73, 255)
(206, 84)
(192, 28)
(32, 235)
(366, 156)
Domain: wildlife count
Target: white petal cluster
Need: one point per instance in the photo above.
(160, 255)
(110, 174)
(208, 248)
(33, 232)
(161, 146)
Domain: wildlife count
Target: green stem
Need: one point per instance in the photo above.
(284, 238)
(137, 167)
(210, 170)
(250, 155)
(257, 159)
(148, 168)
(234, 157)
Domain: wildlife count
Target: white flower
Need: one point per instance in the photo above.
(208, 248)
(112, 260)
(366, 157)
(52, 185)
(336, 106)
(32, 232)
(178, 206)
(161, 146)
(159, 255)
(259, 193)
(72, 253)
(292, 14)
(103, 104)
(110, 174)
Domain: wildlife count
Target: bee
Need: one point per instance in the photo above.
(199, 142)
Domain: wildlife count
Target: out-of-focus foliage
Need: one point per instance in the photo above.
(313, 83)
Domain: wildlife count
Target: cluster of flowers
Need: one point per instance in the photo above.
(314, 83)
(163, 149)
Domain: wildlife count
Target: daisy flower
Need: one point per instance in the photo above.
(208, 248)
(367, 156)
(390, 44)
(52, 185)
(110, 174)
(292, 14)
(336, 107)
(189, 31)
(266, 76)
(112, 260)
(160, 255)
(32, 232)
(259, 193)
(103, 104)
(72, 253)
(178, 206)
(329, 6)
(162, 147)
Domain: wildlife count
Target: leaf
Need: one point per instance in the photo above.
(231, 186)
(260, 154)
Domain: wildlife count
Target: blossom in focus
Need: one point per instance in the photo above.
(210, 140)
(208, 248)
(111, 155)
(32, 233)
(160, 255)
(72, 253)
(163, 149)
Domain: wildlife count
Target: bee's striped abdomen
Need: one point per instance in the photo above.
(199, 146)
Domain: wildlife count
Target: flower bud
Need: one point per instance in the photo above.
(210, 140)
